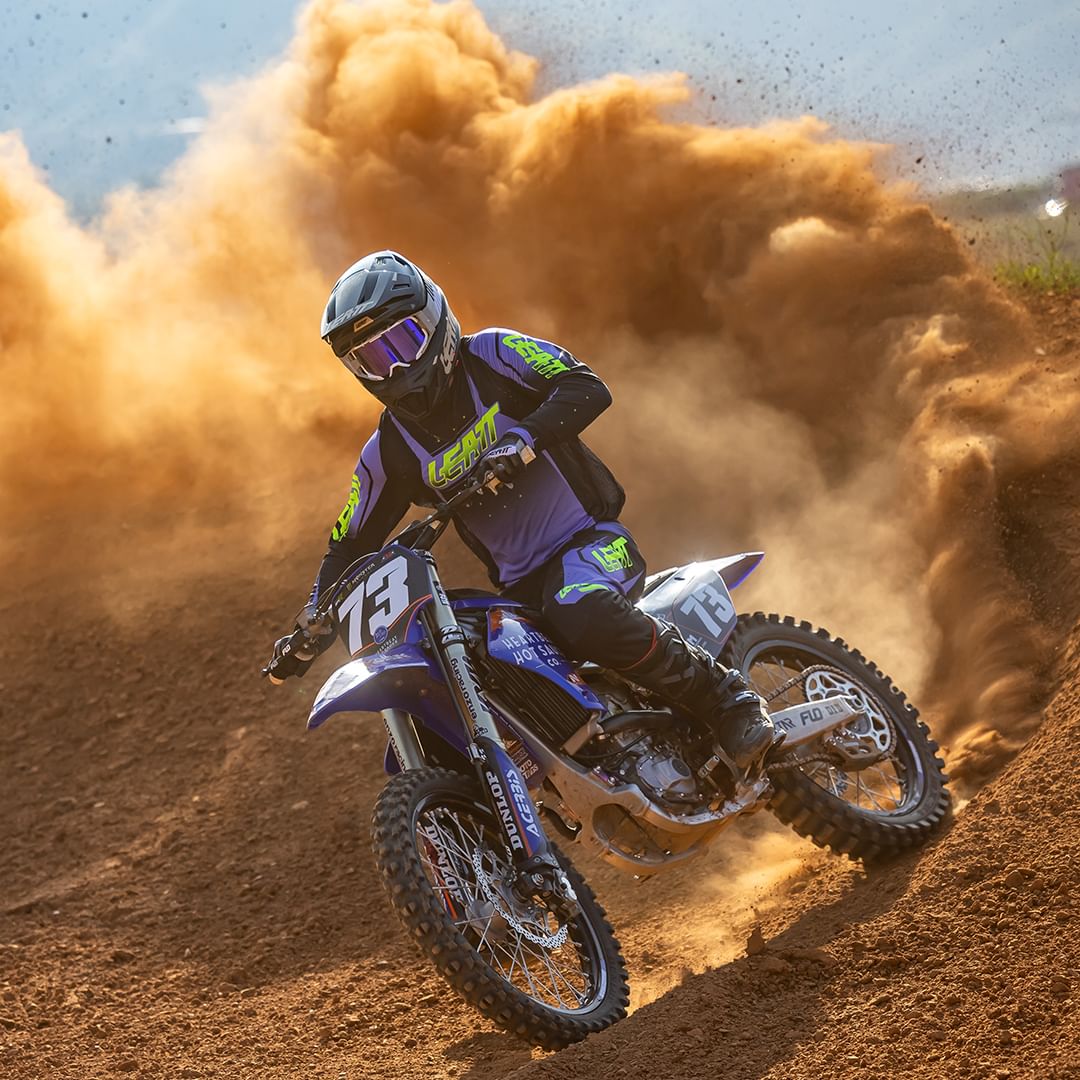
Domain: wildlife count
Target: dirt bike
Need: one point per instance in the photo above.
(495, 737)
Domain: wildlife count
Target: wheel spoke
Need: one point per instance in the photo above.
(880, 788)
(891, 784)
(495, 956)
(487, 927)
(536, 991)
(447, 841)
(556, 973)
(877, 806)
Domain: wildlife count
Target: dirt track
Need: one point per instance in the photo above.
(187, 889)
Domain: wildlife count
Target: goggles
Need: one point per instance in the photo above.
(399, 346)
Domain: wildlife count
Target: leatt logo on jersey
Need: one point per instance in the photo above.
(455, 461)
(341, 526)
(542, 362)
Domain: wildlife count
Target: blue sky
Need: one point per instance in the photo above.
(104, 93)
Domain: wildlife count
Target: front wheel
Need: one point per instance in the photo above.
(889, 793)
(541, 976)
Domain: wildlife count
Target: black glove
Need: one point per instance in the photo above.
(294, 653)
(505, 459)
(292, 656)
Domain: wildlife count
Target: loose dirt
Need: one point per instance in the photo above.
(187, 890)
(802, 358)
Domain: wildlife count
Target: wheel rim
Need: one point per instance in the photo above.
(467, 867)
(887, 788)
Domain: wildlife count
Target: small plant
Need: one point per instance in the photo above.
(1044, 263)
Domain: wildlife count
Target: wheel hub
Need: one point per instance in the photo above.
(871, 737)
(506, 909)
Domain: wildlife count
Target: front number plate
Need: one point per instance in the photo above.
(380, 599)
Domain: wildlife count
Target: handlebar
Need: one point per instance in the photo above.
(421, 536)
(444, 513)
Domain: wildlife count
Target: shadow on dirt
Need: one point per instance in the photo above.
(741, 1019)
(484, 1053)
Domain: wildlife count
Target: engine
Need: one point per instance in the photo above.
(656, 767)
(652, 760)
(642, 745)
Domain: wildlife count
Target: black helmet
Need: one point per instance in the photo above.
(391, 326)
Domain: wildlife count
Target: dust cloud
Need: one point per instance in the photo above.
(802, 357)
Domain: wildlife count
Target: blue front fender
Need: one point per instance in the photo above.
(401, 678)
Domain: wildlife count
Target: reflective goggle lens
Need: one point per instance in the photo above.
(401, 344)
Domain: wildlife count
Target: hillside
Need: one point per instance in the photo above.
(187, 891)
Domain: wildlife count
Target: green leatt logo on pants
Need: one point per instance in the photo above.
(614, 556)
(588, 587)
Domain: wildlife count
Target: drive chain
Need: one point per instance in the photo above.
(787, 764)
(783, 688)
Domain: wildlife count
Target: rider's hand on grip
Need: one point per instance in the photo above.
(504, 461)
(293, 654)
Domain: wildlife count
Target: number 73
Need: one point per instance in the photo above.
(707, 597)
(387, 593)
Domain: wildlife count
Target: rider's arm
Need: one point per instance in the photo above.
(378, 497)
(569, 395)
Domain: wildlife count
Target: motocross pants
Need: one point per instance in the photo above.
(586, 595)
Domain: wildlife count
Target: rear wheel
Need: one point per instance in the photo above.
(539, 973)
(877, 788)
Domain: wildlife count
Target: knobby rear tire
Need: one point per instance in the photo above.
(429, 924)
(806, 806)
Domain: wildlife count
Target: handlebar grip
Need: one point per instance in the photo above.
(299, 645)
(302, 646)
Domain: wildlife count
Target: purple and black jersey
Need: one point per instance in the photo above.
(505, 382)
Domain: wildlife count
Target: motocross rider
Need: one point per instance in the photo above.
(504, 404)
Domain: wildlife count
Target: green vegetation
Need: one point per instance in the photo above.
(1061, 275)
(1026, 239)
(1047, 264)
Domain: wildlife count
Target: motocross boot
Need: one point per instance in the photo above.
(688, 676)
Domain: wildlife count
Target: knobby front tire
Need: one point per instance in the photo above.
(429, 824)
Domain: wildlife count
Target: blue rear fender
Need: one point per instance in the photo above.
(734, 569)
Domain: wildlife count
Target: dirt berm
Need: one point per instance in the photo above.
(960, 963)
(186, 887)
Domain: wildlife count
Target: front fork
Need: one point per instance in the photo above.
(501, 779)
